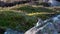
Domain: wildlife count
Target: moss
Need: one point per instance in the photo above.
(30, 9)
(12, 20)
(19, 21)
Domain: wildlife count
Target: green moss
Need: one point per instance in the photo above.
(19, 21)
(12, 20)
(31, 9)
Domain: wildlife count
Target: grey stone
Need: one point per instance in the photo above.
(31, 31)
(39, 23)
(49, 26)
(46, 29)
(49, 29)
(54, 2)
(56, 22)
(10, 31)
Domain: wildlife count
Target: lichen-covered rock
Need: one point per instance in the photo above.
(35, 28)
(31, 31)
(49, 29)
(54, 2)
(56, 22)
(11, 31)
(49, 26)
(46, 29)
(39, 23)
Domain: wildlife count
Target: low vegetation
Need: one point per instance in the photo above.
(15, 20)
(30, 9)
(19, 21)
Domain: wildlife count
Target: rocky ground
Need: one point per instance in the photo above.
(49, 26)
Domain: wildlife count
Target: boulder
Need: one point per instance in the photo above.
(46, 29)
(49, 26)
(56, 22)
(11, 31)
(54, 2)
(33, 30)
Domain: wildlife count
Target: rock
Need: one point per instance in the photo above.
(10, 31)
(39, 23)
(54, 3)
(49, 26)
(49, 29)
(56, 22)
(46, 29)
(31, 31)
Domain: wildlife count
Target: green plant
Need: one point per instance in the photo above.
(30, 9)
(19, 21)
(12, 20)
